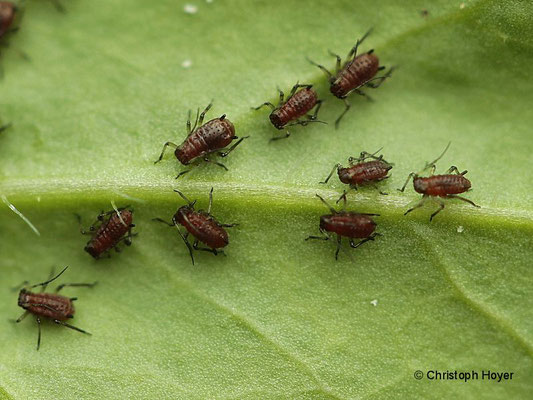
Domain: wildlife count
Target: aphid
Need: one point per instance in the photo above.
(7, 16)
(348, 224)
(201, 225)
(108, 231)
(361, 172)
(52, 306)
(203, 140)
(298, 104)
(357, 72)
(435, 186)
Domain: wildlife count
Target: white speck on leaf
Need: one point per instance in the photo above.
(186, 63)
(208, 1)
(460, 229)
(374, 302)
(190, 9)
(462, 5)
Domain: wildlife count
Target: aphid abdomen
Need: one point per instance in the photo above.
(348, 224)
(442, 185)
(297, 106)
(110, 233)
(363, 68)
(7, 15)
(49, 305)
(202, 227)
(213, 135)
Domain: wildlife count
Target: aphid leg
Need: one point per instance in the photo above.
(323, 237)
(315, 114)
(287, 134)
(453, 168)
(196, 119)
(379, 79)
(214, 251)
(24, 315)
(333, 211)
(339, 60)
(186, 242)
(411, 175)
(420, 204)
(202, 115)
(454, 196)
(38, 333)
(281, 97)
(164, 149)
(335, 168)
(225, 153)
(228, 225)
(339, 243)
(347, 107)
(60, 287)
(263, 105)
(183, 173)
(299, 85)
(216, 163)
(71, 326)
(361, 93)
(432, 164)
(329, 74)
(344, 193)
(371, 237)
(380, 192)
(441, 207)
(4, 127)
(163, 221)
(82, 231)
(364, 155)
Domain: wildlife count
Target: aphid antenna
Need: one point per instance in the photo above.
(185, 239)
(190, 203)
(49, 280)
(432, 164)
(327, 204)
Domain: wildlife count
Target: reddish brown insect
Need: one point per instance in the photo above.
(7, 16)
(52, 306)
(361, 172)
(108, 231)
(348, 224)
(203, 140)
(435, 186)
(288, 112)
(358, 71)
(201, 225)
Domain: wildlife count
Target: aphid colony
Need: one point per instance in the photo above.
(113, 229)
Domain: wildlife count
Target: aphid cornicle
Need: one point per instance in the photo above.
(298, 104)
(52, 306)
(361, 172)
(108, 231)
(201, 225)
(346, 224)
(203, 140)
(7, 16)
(434, 187)
(358, 71)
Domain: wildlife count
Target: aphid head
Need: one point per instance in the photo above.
(276, 120)
(325, 221)
(420, 184)
(91, 250)
(182, 215)
(22, 300)
(337, 88)
(345, 176)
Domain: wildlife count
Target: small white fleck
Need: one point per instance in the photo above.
(462, 5)
(374, 302)
(460, 229)
(38, 199)
(190, 9)
(14, 209)
(186, 63)
(208, 1)
(118, 212)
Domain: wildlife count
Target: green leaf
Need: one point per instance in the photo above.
(277, 317)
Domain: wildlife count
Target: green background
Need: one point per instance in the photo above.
(94, 92)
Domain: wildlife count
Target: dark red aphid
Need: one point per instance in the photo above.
(357, 72)
(201, 225)
(204, 140)
(435, 186)
(52, 306)
(288, 112)
(361, 172)
(346, 224)
(7, 16)
(109, 230)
